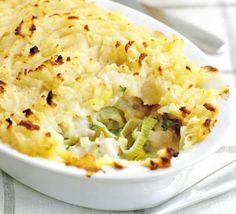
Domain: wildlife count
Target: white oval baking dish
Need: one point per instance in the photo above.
(132, 188)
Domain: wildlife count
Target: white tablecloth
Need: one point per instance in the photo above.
(217, 16)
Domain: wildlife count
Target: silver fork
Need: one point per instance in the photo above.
(216, 183)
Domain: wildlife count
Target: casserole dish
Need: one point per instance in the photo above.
(132, 188)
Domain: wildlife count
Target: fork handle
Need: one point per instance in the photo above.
(217, 183)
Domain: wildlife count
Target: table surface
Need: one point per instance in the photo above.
(218, 17)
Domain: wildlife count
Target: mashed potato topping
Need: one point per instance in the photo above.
(86, 87)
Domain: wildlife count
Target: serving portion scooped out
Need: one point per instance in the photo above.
(86, 87)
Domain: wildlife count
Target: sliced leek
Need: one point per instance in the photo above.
(130, 126)
(136, 151)
(71, 141)
(111, 117)
(102, 128)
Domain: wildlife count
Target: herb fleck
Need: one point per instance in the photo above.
(122, 88)
(94, 127)
(167, 123)
(115, 131)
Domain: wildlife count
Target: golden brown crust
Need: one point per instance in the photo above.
(73, 17)
(118, 165)
(141, 58)
(164, 160)
(29, 125)
(87, 162)
(118, 44)
(54, 71)
(128, 45)
(207, 123)
(209, 107)
(59, 60)
(18, 30)
(34, 50)
(210, 68)
(27, 112)
(48, 134)
(184, 111)
(32, 28)
(49, 99)
(86, 27)
(9, 121)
